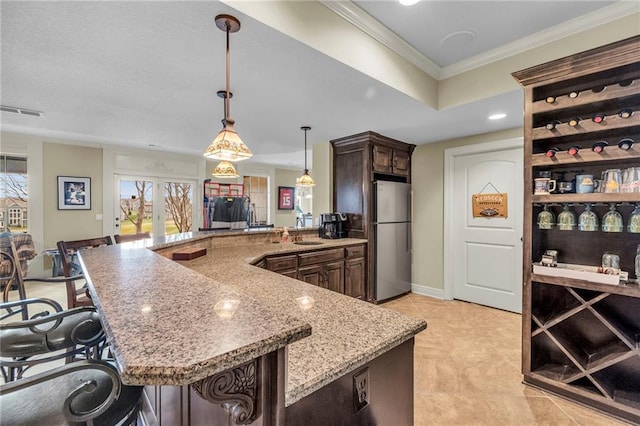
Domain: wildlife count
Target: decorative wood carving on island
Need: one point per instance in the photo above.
(234, 389)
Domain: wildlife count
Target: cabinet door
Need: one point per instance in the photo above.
(401, 163)
(334, 276)
(355, 278)
(281, 263)
(382, 159)
(312, 275)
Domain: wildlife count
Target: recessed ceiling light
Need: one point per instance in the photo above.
(408, 2)
(499, 116)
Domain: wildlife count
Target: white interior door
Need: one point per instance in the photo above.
(483, 256)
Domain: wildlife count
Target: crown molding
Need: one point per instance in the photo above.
(581, 23)
(366, 23)
(353, 14)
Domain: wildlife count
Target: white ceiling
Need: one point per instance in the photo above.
(146, 74)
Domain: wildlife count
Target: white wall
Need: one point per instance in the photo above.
(427, 175)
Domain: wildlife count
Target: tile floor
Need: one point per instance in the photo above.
(467, 370)
(467, 367)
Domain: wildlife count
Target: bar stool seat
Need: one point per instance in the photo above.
(77, 392)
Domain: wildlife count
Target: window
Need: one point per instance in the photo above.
(257, 188)
(13, 193)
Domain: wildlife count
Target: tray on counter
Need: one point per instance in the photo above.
(580, 272)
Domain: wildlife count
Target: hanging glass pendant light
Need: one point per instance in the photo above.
(225, 169)
(228, 145)
(305, 179)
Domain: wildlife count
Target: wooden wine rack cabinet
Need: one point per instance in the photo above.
(581, 340)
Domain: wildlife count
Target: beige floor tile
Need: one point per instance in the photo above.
(467, 370)
(518, 410)
(584, 416)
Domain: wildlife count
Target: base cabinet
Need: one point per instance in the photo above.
(354, 273)
(342, 270)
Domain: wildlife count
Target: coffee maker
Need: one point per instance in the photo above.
(333, 225)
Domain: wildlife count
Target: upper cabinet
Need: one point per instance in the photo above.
(394, 161)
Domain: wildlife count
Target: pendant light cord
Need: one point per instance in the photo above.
(228, 66)
(305, 150)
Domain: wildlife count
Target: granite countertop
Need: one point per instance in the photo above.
(346, 332)
(187, 341)
(170, 325)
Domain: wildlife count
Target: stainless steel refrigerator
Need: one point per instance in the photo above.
(392, 239)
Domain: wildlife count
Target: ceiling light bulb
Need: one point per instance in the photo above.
(408, 2)
(499, 116)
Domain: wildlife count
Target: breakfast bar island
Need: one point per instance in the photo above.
(255, 346)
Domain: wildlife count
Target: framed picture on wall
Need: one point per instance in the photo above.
(286, 198)
(74, 193)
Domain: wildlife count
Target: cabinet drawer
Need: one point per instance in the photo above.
(320, 256)
(354, 252)
(281, 263)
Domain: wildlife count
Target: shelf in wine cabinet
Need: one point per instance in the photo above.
(619, 197)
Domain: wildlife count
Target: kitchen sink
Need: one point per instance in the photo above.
(308, 243)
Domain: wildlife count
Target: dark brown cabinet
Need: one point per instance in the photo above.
(326, 275)
(581, 338)
(391, 161)
(342, 270)
(358, 161)
(285, 265)
(311, 275)
(355, 272)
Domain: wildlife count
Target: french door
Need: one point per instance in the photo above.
(160, 206)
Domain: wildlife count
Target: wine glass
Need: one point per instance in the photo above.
(588, 221)
(612, 220)
(634, 220)
(546, 218)
(566, 219)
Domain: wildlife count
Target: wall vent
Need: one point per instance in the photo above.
(21, 111)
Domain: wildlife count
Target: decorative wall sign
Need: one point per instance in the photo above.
(74, 193)
(490, 205)
(286, 197)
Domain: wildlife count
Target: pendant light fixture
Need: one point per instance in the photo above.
(227, 146)
(225, 169)
(305, 179)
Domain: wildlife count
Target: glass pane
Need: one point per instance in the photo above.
(13, 193)
(136, 206)
(178, 207)
(256, 189)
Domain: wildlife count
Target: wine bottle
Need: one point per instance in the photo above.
(574, 122)
(551, 152)
(598, 118)
(625, 83)
(598, 89)
(574, 94)
(625, 113)
(574, 150)
(552, 125)
(599, 146)
(625, 144)
(550, 99)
